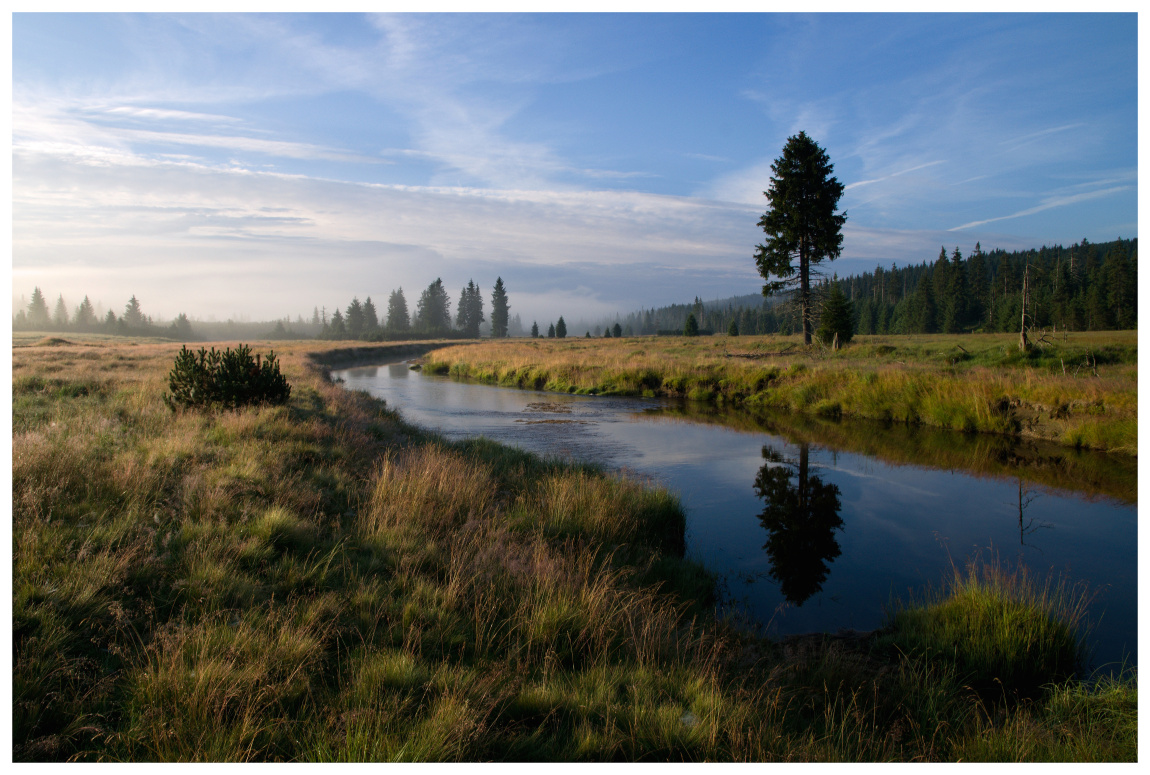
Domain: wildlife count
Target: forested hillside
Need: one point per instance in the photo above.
(1084, 287)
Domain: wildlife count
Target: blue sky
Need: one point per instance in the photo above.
(260, 165)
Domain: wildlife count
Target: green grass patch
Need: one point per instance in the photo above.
(1006, 633)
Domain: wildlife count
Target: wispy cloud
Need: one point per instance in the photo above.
(858, 183)
(132, 111)
(246, 144)
(326, 236)
(744, 186)
(1016, 142)
(1047, 204)
(430, 74)
(86, 131)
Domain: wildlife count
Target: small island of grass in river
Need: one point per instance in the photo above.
(320, 581)
(1079, 389)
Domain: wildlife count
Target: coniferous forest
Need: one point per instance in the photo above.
(1084, 287)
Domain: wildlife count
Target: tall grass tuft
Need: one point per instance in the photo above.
(612, 509)
(1006, 633)
(431, 487)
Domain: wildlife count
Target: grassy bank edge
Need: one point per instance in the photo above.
(962, 395)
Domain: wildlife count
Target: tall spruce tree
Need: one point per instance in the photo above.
(1119, 283)
(433, 311)
(954, 317)
(836, 325)
(337, 329)
(60, 315)
(370, 316)
(976, 283)
(801, 224)
(37, 310)
(354, 319)
(469, 313)
(85, 315)
(397, 317)
(534, 330)
(561, 328)
(499, 310)
(939, 277)
(925, 311)
(133, 317)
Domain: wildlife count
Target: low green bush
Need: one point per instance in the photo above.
(228, 379)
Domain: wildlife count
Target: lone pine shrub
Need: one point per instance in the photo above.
(228, 379)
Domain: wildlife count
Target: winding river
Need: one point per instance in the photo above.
(816, 525)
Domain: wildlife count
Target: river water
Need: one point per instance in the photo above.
(818, 526)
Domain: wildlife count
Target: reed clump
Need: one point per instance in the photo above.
(318, 581)
(1002, 630)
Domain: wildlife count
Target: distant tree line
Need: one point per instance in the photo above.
(750, 314)
(432, 318)
(554, 331)
(83, 319)
(1084, 287)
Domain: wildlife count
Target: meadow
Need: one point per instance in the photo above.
(1077, 389)
(321, 581)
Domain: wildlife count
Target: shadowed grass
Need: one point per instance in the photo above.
(1073, 722)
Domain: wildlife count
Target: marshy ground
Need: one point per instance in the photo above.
(322, 582)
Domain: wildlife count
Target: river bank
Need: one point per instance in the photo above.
(321, 581)
(1080, 390)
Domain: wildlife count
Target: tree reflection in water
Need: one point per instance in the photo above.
(801, 517)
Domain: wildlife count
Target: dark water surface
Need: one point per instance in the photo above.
(815, 525)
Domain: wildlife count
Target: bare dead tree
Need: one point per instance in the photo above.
(1023, 342)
